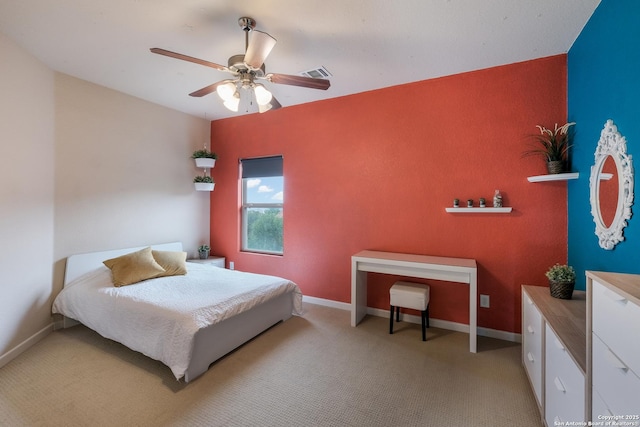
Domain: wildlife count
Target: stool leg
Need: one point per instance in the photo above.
(397, 314)
(391, 320)
(427, 315)
(424, 324)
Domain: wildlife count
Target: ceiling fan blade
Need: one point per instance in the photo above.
(188, 58)
(287, 79)
(259, 48)
(208, 89)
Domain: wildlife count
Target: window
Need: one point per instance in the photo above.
(262, 205)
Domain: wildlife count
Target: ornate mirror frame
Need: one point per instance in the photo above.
(613, 144)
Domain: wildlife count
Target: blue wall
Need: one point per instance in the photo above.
(604, 83)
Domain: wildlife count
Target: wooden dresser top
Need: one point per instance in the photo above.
(567, 318)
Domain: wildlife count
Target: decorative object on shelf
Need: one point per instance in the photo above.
(497, 199)
(456, 203)
(203, 251)
(554, 146)
(204, 158)
(562, 280)
(612, 145)
(470, 203)
(483, 203)
(203, 183)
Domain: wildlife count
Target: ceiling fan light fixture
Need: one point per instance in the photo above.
(226, 91)
(233, 102)
(264, 108)
(263, 96)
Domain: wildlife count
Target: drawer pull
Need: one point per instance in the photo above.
(558, 344)
(615, 296)
(559, 385)
(530, 357)
(530, 329)
(615, 362)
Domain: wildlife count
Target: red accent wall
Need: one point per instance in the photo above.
(376, 170)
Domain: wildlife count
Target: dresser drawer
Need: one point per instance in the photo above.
(532, 344)
(613, 314)
(618, 387)
(564, 383)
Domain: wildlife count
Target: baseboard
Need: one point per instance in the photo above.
(436, 323)
(25, 345)
(326, 302)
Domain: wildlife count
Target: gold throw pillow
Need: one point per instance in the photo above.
(174, 263)
(134, 267)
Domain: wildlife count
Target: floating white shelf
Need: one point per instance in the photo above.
(554, 177)
(478, 210)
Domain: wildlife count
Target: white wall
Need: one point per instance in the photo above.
(26, 195)
(83, 168)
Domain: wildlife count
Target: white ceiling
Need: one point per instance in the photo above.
(365, 44)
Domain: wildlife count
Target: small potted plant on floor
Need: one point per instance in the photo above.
(204, 158)
(553, 146)
(203, 183)
(562, 280)
(203, 251)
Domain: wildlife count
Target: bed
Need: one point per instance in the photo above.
(185, 321)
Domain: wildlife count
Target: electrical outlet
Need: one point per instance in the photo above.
(484, 301)
(231, 265)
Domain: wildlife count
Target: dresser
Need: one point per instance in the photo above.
(554, 354)
(613, 326)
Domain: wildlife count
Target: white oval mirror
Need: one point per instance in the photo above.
(611, 187)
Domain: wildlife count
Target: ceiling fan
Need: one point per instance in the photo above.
(246, 69)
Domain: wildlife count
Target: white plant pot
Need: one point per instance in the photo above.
(203, 186)
(205, 162)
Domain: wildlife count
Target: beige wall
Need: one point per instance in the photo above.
(123, 173)
(113, 171)
(26, 195)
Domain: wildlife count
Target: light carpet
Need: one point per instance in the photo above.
(314, 370)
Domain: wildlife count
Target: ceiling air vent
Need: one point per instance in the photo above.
(317, 73)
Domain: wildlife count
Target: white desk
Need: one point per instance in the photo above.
(459, 270)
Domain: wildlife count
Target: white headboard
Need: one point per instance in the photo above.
(79, 264)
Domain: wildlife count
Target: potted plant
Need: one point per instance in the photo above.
(204, 158)
(203, 251)
(553, 146)
(203, 183)
(562, 279)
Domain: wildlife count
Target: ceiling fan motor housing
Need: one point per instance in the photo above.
(237, 65)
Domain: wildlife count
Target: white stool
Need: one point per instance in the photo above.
(410, 295)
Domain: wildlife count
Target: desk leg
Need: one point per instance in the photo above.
(473, 312)
(358, 294)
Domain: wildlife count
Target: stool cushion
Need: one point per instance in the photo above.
(409, 295)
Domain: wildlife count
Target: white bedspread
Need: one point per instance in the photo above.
(159, 317)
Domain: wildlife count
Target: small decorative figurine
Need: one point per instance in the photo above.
(470, 203)
(497, 199)
(456, 203)
(482, 202)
